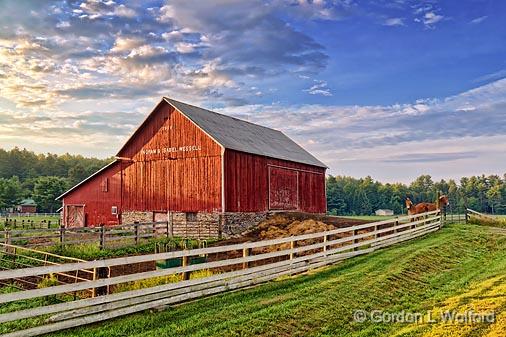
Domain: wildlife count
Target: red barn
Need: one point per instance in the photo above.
(192, 164)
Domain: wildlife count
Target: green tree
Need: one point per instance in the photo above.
(46, 190)
(11, 192)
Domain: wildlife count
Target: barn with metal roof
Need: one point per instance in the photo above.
(184, 162)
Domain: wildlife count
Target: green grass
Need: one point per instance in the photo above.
(37, 219)
(416, 276)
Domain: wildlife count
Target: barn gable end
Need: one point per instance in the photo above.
(170, 164)
(91, 201)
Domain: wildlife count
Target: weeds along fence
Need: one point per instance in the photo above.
(15, 257)
(227, 267)
(484, 219)
(107, 236)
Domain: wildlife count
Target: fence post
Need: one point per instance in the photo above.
(325, 239)
(171, 224)
(186, 275)
(102, 236)
(245, 253)
(467, 216)
(355, 232)
(100, 273)
(136, 228)
(8, 236)
(62, 236)
(292, 246)
(396, 223)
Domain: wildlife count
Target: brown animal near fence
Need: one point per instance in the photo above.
(426, 206)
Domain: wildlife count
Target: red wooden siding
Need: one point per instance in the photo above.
(175, 166)
(247, 183)
(283, 188)
(97, 202)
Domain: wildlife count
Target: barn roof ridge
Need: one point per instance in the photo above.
(245, 136)
(219, 113)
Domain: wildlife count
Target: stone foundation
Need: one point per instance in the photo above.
(235, 224)
(132, 217)
(199, 224)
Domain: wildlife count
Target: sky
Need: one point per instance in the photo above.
(389, 89)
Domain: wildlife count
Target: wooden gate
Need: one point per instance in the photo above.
(75, 216)
(283, 189)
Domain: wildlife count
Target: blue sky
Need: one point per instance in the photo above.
(391, 89)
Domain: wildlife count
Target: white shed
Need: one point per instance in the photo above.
(384, 212)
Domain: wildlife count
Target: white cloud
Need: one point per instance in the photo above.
(126, 44)
(124, 11)
(479, 19)
(63, 24)
(432, 18)
(394, 22)
(319, 88)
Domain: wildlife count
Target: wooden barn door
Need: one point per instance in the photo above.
(283, 188)
(75, 216)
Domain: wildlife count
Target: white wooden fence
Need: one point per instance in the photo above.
(252, 264)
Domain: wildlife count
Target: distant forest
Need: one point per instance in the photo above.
(43, 177)
(351, 196)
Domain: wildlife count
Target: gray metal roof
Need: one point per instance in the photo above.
(236, 134)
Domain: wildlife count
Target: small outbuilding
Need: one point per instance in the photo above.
(384, 212)
(26, 206)
(189, 164)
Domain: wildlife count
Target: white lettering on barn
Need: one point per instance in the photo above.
(174, 149)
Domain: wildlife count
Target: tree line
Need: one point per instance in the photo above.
(41, 177)
(352, 196)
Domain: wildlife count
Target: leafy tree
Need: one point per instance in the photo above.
(11, 192)
(46, 190)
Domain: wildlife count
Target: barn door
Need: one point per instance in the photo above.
(75, 216)
(283, 189)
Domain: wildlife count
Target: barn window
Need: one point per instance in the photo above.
(114, 210)
(104, 186)
(191, 216)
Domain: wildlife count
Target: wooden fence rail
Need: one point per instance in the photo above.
(104, 236)
(247, 264)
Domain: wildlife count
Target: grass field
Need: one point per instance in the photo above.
(37, 219)
(461, 267)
